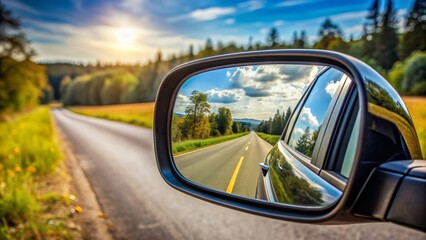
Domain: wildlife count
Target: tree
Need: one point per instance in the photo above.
(276, 124)
(327, 33)
(196, 115)
(224, 121)
(312, 142)
(21, 80)
(273, 38)
(236, 127)
(414, 82)
(386, 42)
(286, 117)
(299, 42)
(66, 80)
(415, 30)
(304, 142)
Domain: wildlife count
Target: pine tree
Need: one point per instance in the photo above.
(386, 43)
(273, 38)
(415, 30)
(304, 141)
(370, 29)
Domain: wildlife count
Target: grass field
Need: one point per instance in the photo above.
(29, 152)
(417, 108)
(272, 139)
(190, 145)
(141, 114)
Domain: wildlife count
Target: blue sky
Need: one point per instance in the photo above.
(133, 30)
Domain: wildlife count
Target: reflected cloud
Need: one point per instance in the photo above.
(225, 96)
(307, 116)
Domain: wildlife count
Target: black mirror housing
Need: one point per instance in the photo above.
(383, 115)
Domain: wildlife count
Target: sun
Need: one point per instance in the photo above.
(125, 36)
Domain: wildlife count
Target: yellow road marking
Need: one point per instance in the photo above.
(249, 143)
(234, 176)
(246, 148)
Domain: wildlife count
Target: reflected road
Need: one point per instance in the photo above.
(232, 166)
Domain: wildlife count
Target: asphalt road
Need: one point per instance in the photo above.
(232, 166)
(120, 164)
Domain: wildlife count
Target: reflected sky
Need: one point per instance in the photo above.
(250, 91)
(316, 106)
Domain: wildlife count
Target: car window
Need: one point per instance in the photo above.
(350, 151)
(313, 112)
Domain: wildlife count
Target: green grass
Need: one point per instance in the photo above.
(141, 114)
(417, 108)
(271, 139)
(29, 150)
(190, 145)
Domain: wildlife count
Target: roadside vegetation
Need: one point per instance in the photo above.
(190, 145)
(417, 108)
(140, 114)
(271, 139)
(29, 154)
(32, 175)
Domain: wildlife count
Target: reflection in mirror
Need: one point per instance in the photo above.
(227, 122)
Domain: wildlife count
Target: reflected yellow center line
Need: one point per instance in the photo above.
(234, 176)
(249, 143)
(246, 148)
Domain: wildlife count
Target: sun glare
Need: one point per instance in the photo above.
(126, 36)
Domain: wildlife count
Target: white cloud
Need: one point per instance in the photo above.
(252, 5)
(331, 87)
(291, 3)
(307, 116)
(211, 13)
(225, 96)
(230, 21)
(285, 81)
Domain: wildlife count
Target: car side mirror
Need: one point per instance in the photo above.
(300, 135)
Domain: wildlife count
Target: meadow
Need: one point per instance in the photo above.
(417, 108)
(30, 153)
(141, 114)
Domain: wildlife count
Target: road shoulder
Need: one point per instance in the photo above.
(91, 219)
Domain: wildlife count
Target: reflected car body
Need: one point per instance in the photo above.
(288, 177)
(288, 181)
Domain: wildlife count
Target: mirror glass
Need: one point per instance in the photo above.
(229, 126)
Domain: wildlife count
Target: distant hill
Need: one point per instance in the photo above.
(252, 121)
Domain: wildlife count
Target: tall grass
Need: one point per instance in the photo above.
(271, 139)
(29, 150)
(190, 145)
(417, 108)
(141, 114)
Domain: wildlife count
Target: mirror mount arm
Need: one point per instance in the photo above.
(395, 192)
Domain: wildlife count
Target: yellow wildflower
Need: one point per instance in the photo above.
(11, 174)
(31, 169)
(78, 209)
(17, 150)
(17, 169)
(10, 156)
